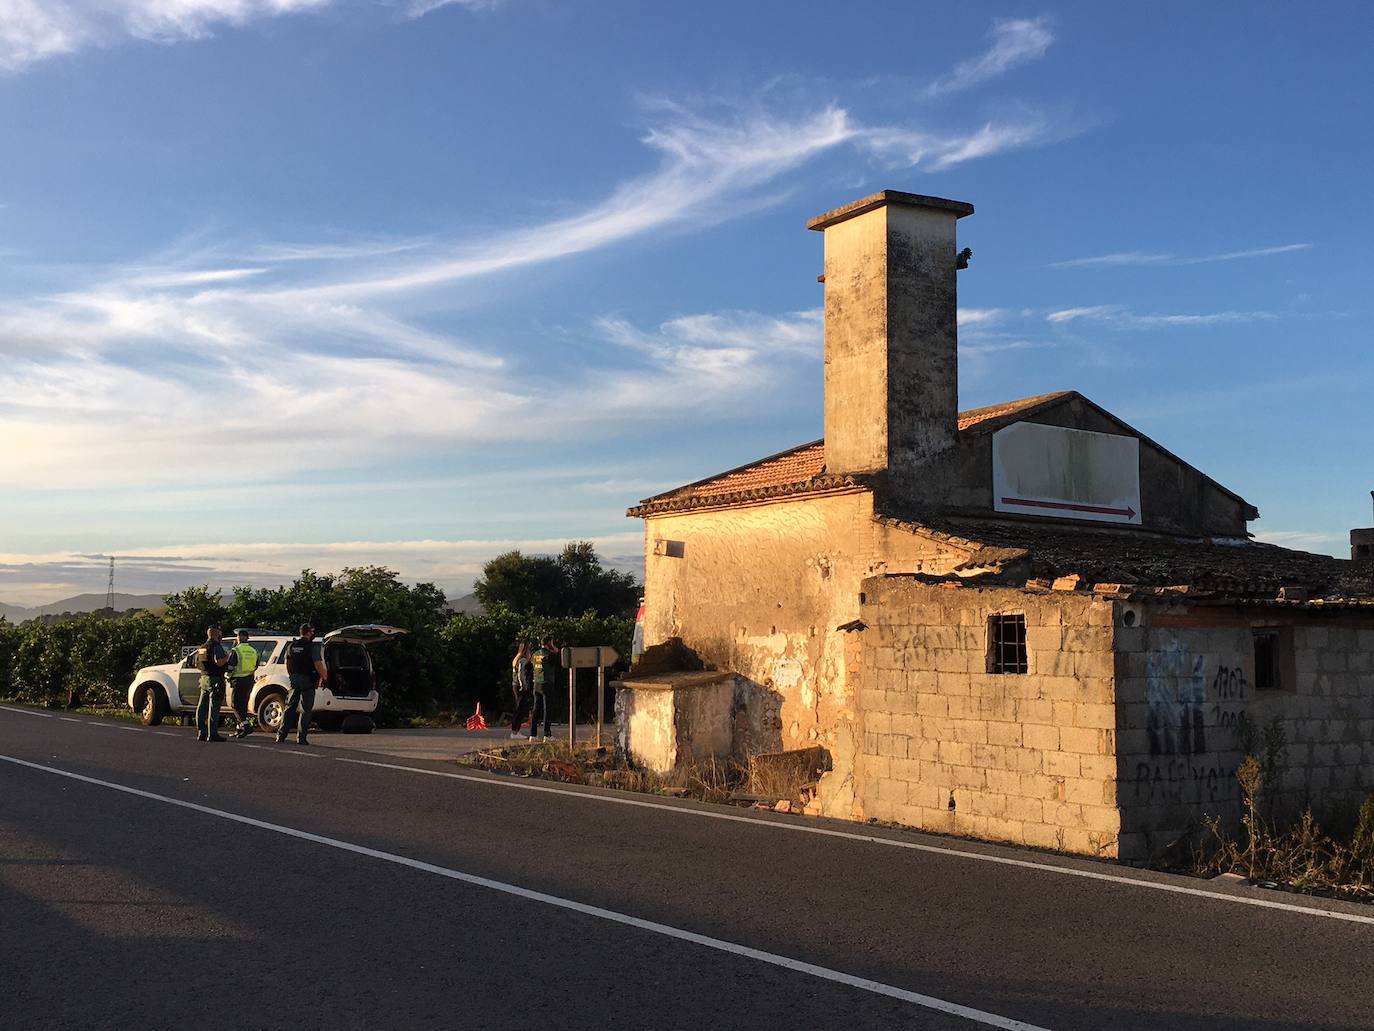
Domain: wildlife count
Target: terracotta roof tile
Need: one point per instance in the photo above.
(804, 466)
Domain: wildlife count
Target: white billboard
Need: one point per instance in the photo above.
(1067, 474)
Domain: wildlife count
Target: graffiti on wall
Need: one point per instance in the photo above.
(1176, 696)
(1229, 690)
(1182, 701)
(1184, 780)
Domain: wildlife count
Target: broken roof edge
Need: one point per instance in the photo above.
(1173, 594)
(885, 197)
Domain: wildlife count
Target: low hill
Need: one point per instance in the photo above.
(79, 603)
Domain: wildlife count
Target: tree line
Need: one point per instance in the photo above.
(446, 662)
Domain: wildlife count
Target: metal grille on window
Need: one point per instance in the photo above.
(1007, 651)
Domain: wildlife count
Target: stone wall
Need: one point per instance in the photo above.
(1027, 758)
(674, 719)
(760, 590)
(1186, 688)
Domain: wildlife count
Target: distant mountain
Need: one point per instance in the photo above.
(80, 603)
(467, 605)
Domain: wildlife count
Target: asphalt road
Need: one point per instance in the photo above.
(157, 882)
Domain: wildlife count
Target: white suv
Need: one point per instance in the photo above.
(345, 703)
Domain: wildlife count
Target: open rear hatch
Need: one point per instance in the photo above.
(345, 655)
(365, 633)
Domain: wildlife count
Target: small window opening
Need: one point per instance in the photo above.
(1267, 660)
(1007, 644)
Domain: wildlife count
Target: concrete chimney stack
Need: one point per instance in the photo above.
(891, 335)
(1362, 542)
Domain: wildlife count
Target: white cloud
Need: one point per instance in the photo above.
(420, 8)
(1096, 311)
(1118, 315)
(34, 30)
(106, 378)
(33, 579)
(1140, 258)
(1304, 540)
(980, 316)
(1015, 41)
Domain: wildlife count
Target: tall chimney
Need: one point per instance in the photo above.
(891, 340)
(1362, 542)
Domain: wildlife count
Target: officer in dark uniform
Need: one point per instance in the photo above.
(305, 667)
(211, 660)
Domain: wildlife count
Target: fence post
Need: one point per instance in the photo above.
(572, 708)
(600, 697)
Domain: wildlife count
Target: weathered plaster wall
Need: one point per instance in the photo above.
(1028, 758)
(760, 590)
(676, 718)
(1185, 677)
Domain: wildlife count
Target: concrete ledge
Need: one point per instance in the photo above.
(884, 197)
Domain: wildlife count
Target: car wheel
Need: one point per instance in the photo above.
(271, 709)
(357, 723)
(152, 705)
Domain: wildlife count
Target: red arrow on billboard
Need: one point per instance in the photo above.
(1128, 512)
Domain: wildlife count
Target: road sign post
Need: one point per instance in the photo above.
(592, 657)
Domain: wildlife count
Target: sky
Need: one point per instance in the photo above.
(326, 283)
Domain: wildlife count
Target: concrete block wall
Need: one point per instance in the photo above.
(1027, 758)
(1185, 683)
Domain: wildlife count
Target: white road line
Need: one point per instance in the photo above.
(26, 712)
(782, 825)
(668, 931)
(68, 719)
(982, 857)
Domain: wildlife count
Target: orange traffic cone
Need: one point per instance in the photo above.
(476, 721)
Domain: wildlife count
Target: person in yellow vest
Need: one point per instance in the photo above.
(242, 663)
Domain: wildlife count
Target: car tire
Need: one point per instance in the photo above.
(357, 723)
(152, 705)
(270, 710)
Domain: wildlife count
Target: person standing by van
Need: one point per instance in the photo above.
(211, 660)
(305, 667)
(244, 664)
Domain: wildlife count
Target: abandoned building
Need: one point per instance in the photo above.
(1027, 622)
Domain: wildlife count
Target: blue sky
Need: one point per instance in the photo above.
(307, 283)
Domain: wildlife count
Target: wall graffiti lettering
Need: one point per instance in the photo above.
(1175, 693)
(1182, 780)
(1229, 688)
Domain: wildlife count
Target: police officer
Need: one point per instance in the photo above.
(211, 660)
(546, 665)
(305, 667)
(244, 660)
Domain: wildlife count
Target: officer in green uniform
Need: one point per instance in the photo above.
(546, 666)
(211, 660)
(244, 662)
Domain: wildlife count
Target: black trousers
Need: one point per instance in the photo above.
(239, 688)
(523, 701)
